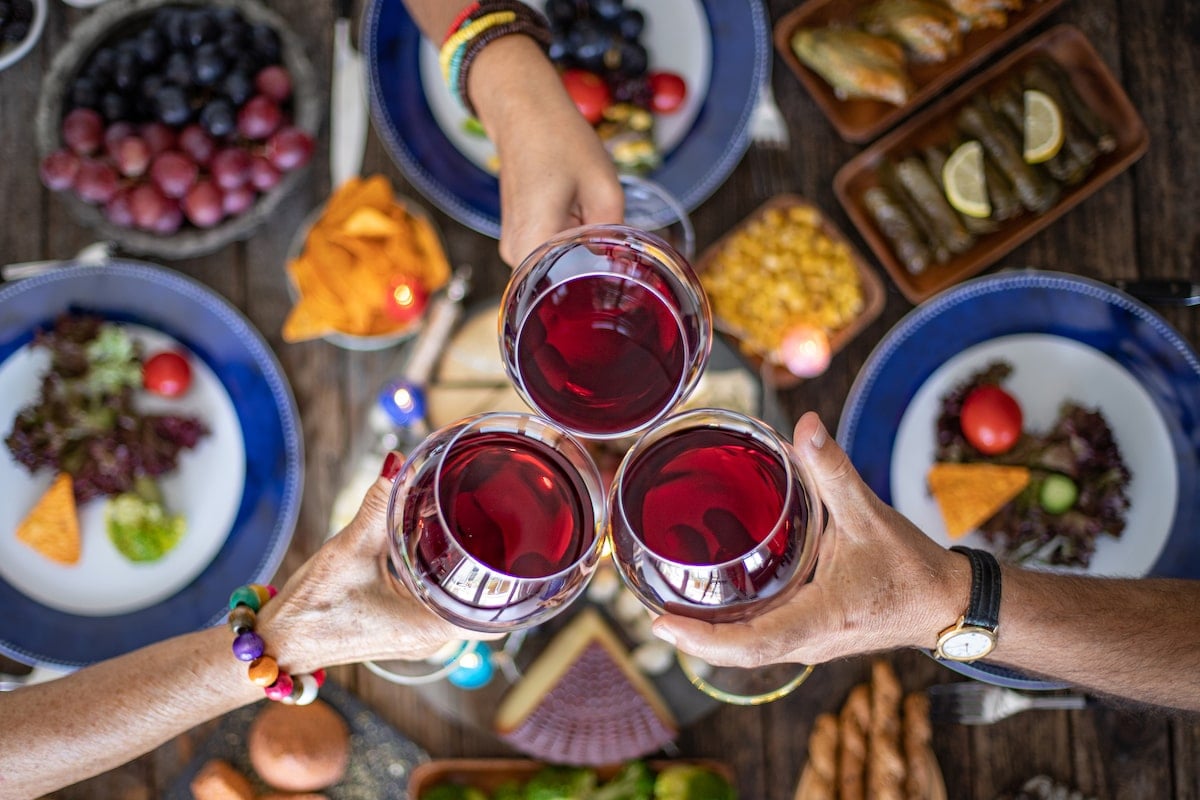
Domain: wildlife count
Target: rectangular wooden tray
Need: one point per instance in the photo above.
(872, 288)
(863, 120)
(490, 773)
(1096, 86)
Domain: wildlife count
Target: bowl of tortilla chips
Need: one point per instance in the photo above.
(351, 260)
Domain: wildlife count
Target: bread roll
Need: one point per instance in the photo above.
(299, 748)
(218, 780)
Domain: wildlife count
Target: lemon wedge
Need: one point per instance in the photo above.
(1043, 127)
(964, 182)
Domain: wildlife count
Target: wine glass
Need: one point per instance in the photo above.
(605, 328)
(712, 516)
(496, 521)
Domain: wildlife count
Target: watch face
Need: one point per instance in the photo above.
(967, 645)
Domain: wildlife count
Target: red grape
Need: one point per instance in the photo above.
(259, 118)
(148, 205)
(202, 205)
(83, 130)
(59, 169)
(114, 133)
(263, 175)
(160, 137)
(117, 209)
(274, 82)
(95, 182)
(230, 168)
(289, 148)
(171, 219)
(194, 141)
(238, 200)
(132, 156)
(174, 173)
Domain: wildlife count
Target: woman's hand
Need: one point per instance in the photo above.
(343, 605)
(554, 171)
(880, 583)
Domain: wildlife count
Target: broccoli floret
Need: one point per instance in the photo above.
(453, 791)
(691, 782)
(508, 791)
(633, 782)
(113, 362)
(561, 783)
(139, 526)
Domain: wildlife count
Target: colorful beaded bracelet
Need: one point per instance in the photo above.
(244, 604)
(476, 26)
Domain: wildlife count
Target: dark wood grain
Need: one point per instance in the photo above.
(1143, 223)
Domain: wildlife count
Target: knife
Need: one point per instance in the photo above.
(1161, 291)
(347, 103)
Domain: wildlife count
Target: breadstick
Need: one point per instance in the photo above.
(885, 761)
(853, 723)
(917, 735)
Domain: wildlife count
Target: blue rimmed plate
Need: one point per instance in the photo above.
(1068, 337)
(239, 488)
(721, 48)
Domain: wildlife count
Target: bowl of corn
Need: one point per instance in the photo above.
(787, 270)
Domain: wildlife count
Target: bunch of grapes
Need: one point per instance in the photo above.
(185, 118)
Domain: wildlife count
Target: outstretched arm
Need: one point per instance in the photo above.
(554, 172)
(881, 584)
(340, 607)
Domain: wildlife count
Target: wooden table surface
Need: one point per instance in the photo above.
(1144, 223)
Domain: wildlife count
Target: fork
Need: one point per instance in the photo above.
(767, 126)
(972, 703)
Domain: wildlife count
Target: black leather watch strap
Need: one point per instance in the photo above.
(983, 609)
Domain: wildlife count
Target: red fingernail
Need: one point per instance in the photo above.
(391, 466)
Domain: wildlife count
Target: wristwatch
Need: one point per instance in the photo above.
(974, 635)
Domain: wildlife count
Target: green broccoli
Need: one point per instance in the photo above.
(113, 362)
(453, 791)
(139, 526)
(508, 791)
(561, 783)
(691, 782)
(633, 782)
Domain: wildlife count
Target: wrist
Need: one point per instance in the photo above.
(946, 593)
(511, 79)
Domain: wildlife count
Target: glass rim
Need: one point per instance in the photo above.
(470, 423)
(780, 448)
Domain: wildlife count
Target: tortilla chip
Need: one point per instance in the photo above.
(367, 221)
(969, 494)
(52, 526)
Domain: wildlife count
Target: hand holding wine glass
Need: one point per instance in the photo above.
(879, 582)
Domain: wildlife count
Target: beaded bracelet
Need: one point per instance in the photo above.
(476, 26)
(244, 604)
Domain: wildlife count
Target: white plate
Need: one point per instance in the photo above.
(1048, 371)
(206, 487)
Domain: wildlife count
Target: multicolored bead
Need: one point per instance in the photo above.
(308, 691)
(263, 671)
(245, 596)
(248, 646)
(242, 619)
(264, 594)
(319, 677)
(281, 688)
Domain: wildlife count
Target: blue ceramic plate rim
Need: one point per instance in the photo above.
(691, 172)
(266, 518)
(1017, 302)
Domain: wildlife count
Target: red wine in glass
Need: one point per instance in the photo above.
(604, 330)
(711, 517)
(496, 521)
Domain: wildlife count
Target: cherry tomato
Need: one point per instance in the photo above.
(589, 91)
(667, 91)
(991, 419)
(167, 374)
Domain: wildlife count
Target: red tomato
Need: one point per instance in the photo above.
(589, 91)
(991, 419)
(667, 91)
(167, 374)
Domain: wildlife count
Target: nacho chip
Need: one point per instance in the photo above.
(969, 494)
(52, 526)
(364, 240)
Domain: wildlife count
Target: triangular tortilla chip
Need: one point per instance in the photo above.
(969, 494)
(52, 527)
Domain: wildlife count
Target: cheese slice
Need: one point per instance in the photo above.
(583, 701)
(969, 494)
(52, 526)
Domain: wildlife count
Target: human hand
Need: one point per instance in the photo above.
(343, 605)
(880, 583)
(554, 171)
